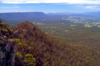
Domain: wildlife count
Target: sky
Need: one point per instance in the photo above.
(49, 6)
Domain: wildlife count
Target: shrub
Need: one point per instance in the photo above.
(19, 55)
(30, 60)
(4, 30)
(16, 40)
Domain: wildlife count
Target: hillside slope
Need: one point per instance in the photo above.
(27, 45)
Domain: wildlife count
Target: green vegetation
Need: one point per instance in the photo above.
(19, 55)
(87, 25)
(5, 29)
(1, 43)
(75, 33)
(35, 47)
(16, 40)
(30, 60)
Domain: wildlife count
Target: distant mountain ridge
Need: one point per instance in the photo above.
(86, 14)
(24, 13)
(17, 17)
(21, 16)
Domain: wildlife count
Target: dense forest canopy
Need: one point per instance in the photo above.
(74, 33)
(28, 45)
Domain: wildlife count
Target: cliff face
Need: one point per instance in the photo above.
(7, 52)
(8, 49)
(27, 45)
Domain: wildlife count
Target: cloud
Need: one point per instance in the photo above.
(93, 7)
(52, 1)
(90, 7)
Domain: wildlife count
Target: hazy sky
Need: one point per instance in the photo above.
(49, 6)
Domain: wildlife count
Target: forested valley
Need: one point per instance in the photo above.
(27, 45)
